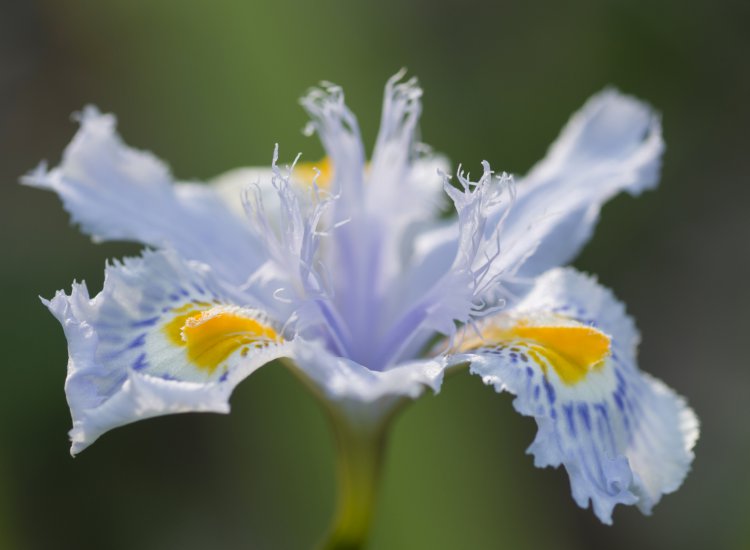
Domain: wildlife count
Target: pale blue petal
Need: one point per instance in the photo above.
(123, 366)
(115, 192)
(374, 214)
(450, 277)
(293, 284)
(348, 384)
(404, 179)
(338, 130)
(613, 144)
(623, 437)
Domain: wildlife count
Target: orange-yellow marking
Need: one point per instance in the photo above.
(211, 337)
(572, 350)
(306, 172)
(173, 329)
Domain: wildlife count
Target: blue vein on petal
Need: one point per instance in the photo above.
(145, 322)
(140, 363)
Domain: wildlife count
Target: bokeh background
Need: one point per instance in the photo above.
(213, 85)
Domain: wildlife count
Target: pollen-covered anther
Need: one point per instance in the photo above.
(212, 336)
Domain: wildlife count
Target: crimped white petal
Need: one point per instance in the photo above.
(406, 211)
(375, 212)
(349, 384)
(405, 184)
(507, 231)
(404, 217)
(338, 130)
(623, 437)
(613, 144)
(129, 358)
(118, 193)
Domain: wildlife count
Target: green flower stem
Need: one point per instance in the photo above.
(360, 451)
(361, 433)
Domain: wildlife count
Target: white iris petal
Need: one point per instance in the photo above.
(123, 366)
(623, 436)
(347, 269)
(115, 192)
(612, 144)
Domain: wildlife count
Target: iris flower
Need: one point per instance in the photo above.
(349, 270)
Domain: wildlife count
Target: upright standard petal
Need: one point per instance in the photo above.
(375, 209)
(118, 193)
(451, 279)
(162, 337)
(404, 179)
(567, 352)
(338, 130)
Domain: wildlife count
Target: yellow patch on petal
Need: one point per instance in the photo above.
(306, 172)
(572, 350)
(212, 335)
(173, 329)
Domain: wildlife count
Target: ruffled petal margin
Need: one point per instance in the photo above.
(366, 394)
(567, 352)
(162, 337)
(612, 144)
(115, 192)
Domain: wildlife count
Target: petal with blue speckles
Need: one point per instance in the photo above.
(362, 272)
(567, 352)
(162, 337)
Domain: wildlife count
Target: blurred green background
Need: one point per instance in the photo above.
(213, 85)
